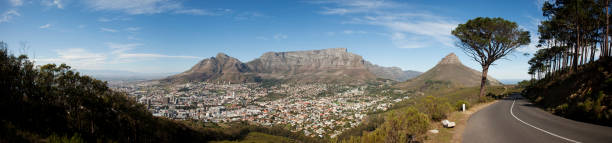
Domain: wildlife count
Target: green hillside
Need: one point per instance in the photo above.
(408, 120)
(582, 95)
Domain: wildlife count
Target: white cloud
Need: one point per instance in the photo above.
(120, 51)
(53, 3)
(216, 12)
(277, 36)
(133, 29)
(354, 32)
(148, 56)
(437, 31)
(105, 19)
(8, 15)
(354, 6)
(280, 36)
(194, 12)
(339, 11)
(135, 6)
(121, 48)
(102, 19)
(261, 38)
(16, 2)
(131, 37)
(45, 26)
(118, 54)
(407, 27)
(109, 30)
(76, 57)
(531, 48)
(248, 15)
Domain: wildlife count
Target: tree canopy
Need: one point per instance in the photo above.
(487, 40)
(574, 33)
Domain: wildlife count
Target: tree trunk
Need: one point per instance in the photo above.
(575, 61)
(483, 81)
(605, 49)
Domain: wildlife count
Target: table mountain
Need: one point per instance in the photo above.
(327, 65)
(312, 65)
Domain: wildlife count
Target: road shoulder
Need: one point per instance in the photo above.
(455, 135)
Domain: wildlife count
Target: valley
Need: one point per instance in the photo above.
(316, 110)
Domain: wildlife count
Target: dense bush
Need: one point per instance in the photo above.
(400, 126)
(76, 138)
(436, 107)
(581, 95)
(459, 105)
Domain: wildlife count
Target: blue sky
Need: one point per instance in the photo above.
(161, 36)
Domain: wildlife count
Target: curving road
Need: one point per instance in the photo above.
(518, 121)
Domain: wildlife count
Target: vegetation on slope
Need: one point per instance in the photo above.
(257, 137)
(53, 103)
(416, 114)
(583, 95)
(571, 71)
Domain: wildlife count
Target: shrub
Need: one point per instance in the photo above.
(485, 99)
(459, 105)
(400, 126)
(76, 138)
(437, 108)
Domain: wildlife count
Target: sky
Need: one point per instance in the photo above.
(170, 36)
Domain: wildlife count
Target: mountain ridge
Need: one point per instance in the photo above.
(325, 65)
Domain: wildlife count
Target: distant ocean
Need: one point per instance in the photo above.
(510, 81)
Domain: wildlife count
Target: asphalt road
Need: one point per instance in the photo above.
(504, 122)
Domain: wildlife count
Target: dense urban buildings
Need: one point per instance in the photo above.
(314, 109)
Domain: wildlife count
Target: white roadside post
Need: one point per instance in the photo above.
(463, 108)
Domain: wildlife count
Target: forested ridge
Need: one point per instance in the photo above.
(571, 71)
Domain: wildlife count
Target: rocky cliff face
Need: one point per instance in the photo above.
(327, 65)
(313, 65)
(450, 59)
(451, 72)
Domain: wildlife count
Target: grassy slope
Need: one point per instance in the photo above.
(451, 95)
(583, 95)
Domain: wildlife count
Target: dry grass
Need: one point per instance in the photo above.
(454, 135)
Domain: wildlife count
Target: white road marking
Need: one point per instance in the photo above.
(511, 113)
